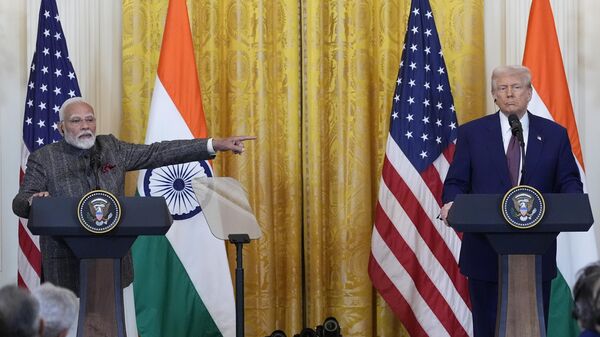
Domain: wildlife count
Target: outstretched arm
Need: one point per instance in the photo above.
(142, 156)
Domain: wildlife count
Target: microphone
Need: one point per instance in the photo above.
(95, 162)
(516, 128)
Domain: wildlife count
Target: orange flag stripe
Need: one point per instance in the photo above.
(543, 58)
(177, 68)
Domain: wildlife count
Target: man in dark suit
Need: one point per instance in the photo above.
(82, 162)
(481, 165)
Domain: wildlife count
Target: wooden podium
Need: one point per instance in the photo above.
(520, 303)
(101, 296)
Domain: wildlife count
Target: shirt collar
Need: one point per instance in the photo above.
(505, 127)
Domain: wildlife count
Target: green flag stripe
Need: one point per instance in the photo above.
(560, 320)
(169, 300)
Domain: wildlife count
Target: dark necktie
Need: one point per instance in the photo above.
(513, 157)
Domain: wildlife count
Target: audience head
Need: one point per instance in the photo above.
(19, 313)
(78, 123)
(586, 294)
(58, 309)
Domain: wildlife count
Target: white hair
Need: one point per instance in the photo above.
(516, 69)
(58, 308)
(63, 107)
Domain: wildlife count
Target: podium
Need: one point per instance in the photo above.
(101, 296)
(520, 303)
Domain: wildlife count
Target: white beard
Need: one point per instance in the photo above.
(83, 143)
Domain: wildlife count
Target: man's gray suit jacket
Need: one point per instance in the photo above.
(64, 170)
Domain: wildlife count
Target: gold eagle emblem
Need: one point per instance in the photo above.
(523, 206)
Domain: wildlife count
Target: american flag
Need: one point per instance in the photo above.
(52, 80)
(414, 256)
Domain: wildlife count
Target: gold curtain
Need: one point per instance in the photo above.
(313, 80)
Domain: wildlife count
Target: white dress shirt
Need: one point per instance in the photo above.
(507, 134)
(211, 149)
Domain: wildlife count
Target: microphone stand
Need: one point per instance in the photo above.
(95, 165)
(239, 240)
(517, 131)
(96, 178)
(522, 147)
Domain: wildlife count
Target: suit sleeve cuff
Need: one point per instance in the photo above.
(210, 148)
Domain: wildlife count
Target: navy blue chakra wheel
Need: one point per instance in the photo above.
(174, 183)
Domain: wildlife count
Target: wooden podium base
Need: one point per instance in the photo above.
(101, 301)
(520, 302)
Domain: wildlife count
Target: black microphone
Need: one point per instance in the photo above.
(95, 161)
(516, 128)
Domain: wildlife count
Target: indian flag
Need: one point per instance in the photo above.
(551, 99)
(182, 281)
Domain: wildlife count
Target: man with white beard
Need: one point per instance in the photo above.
(82, 162)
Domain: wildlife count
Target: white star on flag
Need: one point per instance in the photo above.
(38, 98)
(413, 262)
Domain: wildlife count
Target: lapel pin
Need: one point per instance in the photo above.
(539, 138)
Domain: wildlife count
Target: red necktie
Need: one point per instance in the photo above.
(513, 157)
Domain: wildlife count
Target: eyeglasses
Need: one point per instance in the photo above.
(78, 121)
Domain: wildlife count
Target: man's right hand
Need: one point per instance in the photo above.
(444, 212)
(233, 144)
(38, 195)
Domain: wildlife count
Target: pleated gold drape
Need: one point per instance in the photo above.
(313, 80)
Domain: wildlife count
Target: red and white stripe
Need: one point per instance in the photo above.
(414, 256)
(29, 256)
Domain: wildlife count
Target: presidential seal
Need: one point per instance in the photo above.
(99, 211)
(523, 207)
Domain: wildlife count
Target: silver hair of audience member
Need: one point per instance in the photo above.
(58, 308)
(19, 312)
